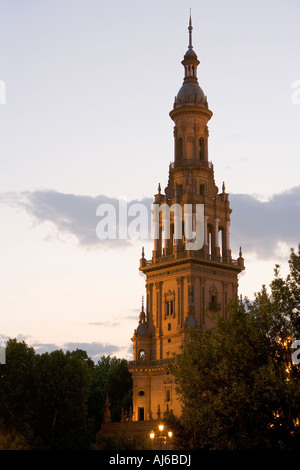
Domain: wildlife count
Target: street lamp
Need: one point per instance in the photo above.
(162, 438)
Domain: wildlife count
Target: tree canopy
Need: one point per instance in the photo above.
(239, 385)
(55, 401)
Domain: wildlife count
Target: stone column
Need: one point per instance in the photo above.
(216, 241)
(205, 247)
(227, 254)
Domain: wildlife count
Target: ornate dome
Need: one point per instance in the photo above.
(190, 54)
(190, 93)
(142, 329)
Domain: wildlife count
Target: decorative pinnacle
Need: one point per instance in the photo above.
(142, 303)
(190, 31)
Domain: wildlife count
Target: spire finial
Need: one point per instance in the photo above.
(190, 31)
(142, 303)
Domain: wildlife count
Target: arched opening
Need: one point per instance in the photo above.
(142, 355)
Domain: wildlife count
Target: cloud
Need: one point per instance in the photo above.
(76, 215)
(95, 350)
(265, 227)
(106, 324)
(259, 227)
(42, 348)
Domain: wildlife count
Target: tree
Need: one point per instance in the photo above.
(119, 387)
(110, 376)
(56, 400)
(17, 386)
(120, 442)
(238, 384)
(62, 389)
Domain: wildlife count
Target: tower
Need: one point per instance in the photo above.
(184, 285)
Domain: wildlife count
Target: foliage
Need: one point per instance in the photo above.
(238, 384)
(55, 401)
(120, 442)
(16, 385)
(110, 376)
(62, 387)
(12, 441)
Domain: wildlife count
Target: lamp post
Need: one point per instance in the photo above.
(162, 438)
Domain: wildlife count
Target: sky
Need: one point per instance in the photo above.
(86, 87)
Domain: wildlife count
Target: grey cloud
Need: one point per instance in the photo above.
(257, 226)
(42, 348)
(74, 214)
(106, 324)
(95, 350)
(260, 226)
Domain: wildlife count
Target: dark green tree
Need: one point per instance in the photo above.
(62, 389)
(56, 400)
(120, 442)
(119, 388)
(110, 377)
(238, 384)
(17, 387)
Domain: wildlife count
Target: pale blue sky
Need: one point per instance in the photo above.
(89, 87)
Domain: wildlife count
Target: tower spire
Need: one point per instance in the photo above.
(190, 31)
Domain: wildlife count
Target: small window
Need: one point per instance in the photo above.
(169, 326)
(168, 395)
(169, 340)
(141, 393)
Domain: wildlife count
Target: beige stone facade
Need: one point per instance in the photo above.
(184, 286)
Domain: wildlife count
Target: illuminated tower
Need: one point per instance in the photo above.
(184, 286)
